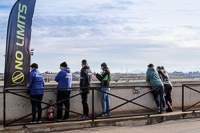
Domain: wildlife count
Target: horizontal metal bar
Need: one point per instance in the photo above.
(123, 116)
(190, 84)
(82, 88)
(46, 122)
(89, 120)
(193, 110)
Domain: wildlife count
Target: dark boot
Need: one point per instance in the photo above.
(169, 109)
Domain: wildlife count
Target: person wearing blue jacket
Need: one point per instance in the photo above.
(64, 79)
(36, 92)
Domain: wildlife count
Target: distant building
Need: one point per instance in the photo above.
(76, 74)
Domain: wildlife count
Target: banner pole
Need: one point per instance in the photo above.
(4, 106)
(5, 78)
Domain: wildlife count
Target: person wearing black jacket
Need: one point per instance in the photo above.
(104, 77)
(85, 80)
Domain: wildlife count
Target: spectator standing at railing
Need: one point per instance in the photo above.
(104, 77)
(156, 83)
(85, 80)
(168, 86)
(64, 79)
(36, 92)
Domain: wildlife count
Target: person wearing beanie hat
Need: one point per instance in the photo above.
(104, 77)
(104, 65)
(64, 64)
(36, 92)
(64, 79)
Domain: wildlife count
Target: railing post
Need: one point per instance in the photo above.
(183, 98)
(92, 106)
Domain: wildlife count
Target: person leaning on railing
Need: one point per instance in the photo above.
(156, 83)
(36, 92)
(168, 87)
(64, 79)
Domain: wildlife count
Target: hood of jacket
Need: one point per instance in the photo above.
(67, 70)
(151, 69)
(86, 67)
(153, 77)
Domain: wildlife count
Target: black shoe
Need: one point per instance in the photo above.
(58, 119)
(65, 118)
(169, 110)
(108, 114)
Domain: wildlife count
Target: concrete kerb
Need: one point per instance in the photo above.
(125, 121)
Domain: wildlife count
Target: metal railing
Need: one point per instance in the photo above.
(191, 107)
(93, 117)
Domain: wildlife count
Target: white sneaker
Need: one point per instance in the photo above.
(103, 115)
(39, 122)
(33, 122)
(83, 117)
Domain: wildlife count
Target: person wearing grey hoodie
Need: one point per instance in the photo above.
(156, 83)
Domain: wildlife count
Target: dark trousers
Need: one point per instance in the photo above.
(61, 96)
(36, 106)
(84, 97)
(168, 93)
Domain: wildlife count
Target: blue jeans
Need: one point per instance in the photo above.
(105, 100)
(156, 92)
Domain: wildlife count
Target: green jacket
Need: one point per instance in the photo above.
(153, 77)
(104, 77)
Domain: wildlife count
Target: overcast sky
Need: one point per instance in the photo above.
(126, 34)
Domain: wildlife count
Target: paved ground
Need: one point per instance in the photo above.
(178, 126)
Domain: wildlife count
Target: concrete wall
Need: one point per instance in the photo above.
(17, 106)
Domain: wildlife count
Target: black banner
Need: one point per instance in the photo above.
(17, 62)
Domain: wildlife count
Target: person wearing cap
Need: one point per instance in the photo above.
(64, 79)
(85, 80)
(36, 92)
(104, 77)
(156, 83)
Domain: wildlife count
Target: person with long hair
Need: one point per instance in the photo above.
(168, 87)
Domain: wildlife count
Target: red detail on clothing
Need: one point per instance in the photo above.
(69, 74)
